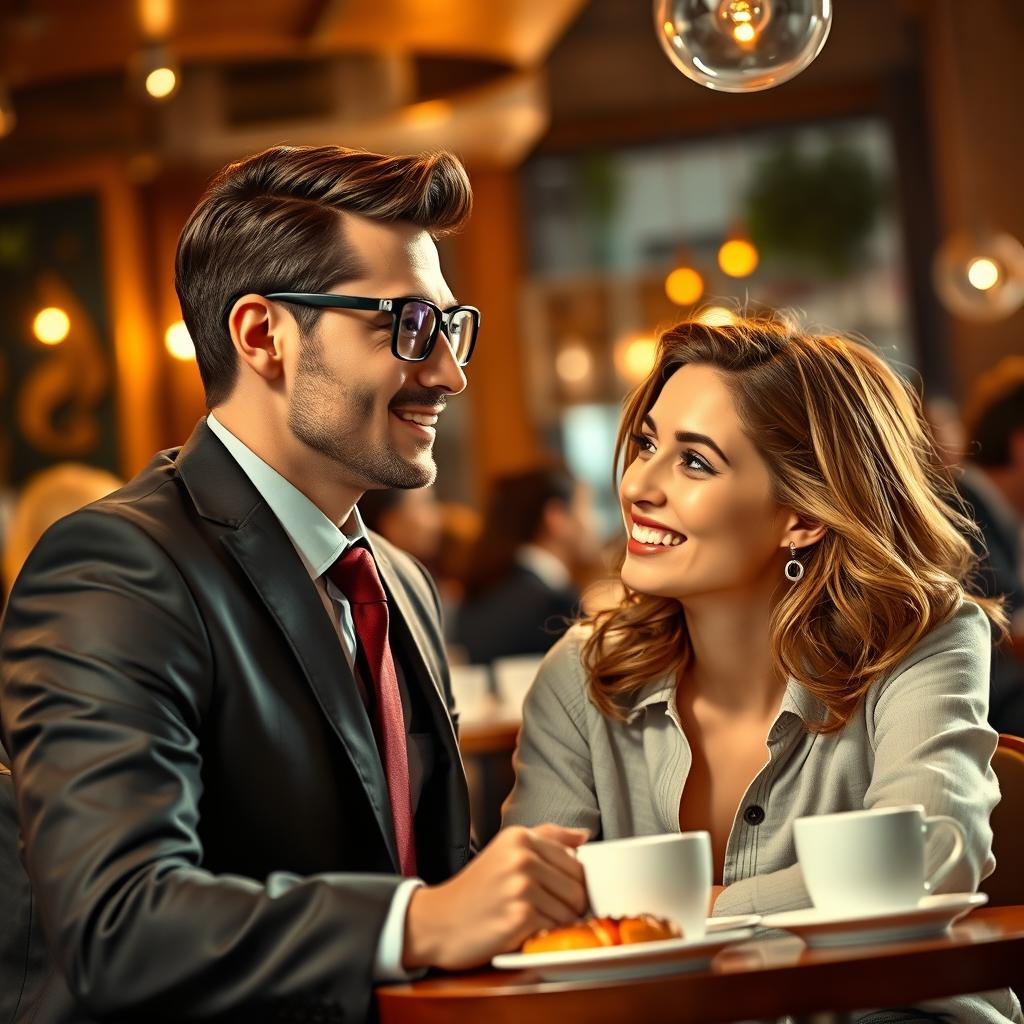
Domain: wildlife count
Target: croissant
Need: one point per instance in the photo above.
(602, 931)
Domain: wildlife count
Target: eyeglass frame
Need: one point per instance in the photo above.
(393, 306)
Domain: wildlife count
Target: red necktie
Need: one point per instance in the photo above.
(355, 575)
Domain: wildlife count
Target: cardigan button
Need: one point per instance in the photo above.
(753, 815)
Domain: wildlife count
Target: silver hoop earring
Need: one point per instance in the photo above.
(794, 567)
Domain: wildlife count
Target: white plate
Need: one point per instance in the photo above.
(932, 916)
(638, 960)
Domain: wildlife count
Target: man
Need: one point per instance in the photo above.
(538, 529)
(227, 705)
(992, 483)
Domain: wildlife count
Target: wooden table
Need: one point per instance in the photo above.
(758, 979)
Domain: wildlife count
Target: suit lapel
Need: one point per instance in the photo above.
(257, 541)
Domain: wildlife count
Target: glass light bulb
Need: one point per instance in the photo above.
(744, 20)
(980, 276)
(742, 45)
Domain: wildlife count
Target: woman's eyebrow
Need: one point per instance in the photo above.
(689, 437)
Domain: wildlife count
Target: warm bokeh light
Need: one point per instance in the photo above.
(8, 116)
(743, 33)
(161, 82)
(51, 325)
(635, 357)
(983, 273)
(156, 17)
(428, 113)
(716, 316)
(684, 286)
(179, 342)
(573, 364)
(738, 257)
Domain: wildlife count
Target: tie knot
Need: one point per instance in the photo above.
(355, 575)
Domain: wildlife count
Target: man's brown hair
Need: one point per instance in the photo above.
(270, 223)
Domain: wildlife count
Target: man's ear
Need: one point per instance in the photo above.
(257, 327)
(802, 531)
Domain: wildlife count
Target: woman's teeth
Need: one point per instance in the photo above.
(647, 535)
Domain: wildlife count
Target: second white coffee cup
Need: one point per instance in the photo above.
(862, 862)
(666, 875)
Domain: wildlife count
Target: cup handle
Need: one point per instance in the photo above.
(937, 821)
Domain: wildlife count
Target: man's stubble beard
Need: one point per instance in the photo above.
(372, 462)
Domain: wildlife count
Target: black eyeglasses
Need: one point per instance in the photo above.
(416, 322)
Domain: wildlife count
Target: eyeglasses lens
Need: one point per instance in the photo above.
(415, 326)
(461, 332)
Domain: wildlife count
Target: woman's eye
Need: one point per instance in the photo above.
(644, 444)
(693, 461)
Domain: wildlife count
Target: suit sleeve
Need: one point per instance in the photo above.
(107, 677)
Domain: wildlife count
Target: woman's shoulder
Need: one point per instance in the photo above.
(563, 674)
(953, 655)
(965, 631)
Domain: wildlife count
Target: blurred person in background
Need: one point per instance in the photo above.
(411, 519)
(798, 634)
(991, 481)
(539, 530)
(227, 703)
(414, 520)
(947, 429)
(48, 496)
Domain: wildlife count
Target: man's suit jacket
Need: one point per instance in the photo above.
(520, 615)
(998, 559)
(999, 555)
(203, 810)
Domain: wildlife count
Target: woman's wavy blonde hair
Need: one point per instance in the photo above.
(846, 445)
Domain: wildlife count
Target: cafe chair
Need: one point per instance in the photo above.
(1005, 887)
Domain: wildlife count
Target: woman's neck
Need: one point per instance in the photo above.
(731, 666)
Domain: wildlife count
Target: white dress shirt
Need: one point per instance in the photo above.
(548, 568)
(319, 542)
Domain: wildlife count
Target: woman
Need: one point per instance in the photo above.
(794, 636)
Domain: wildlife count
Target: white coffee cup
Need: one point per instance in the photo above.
(872, 860)
(665, 875)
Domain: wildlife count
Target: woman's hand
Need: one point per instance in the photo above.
(715, 891)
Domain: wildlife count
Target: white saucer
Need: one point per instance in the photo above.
(727, 924)
(638, 960)
(932, 916)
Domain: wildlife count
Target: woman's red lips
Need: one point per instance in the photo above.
(653, 523)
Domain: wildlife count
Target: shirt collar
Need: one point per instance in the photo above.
(317, 540)
(544, 565)
(796, 701)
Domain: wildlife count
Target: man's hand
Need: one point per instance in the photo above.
(524, 880)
